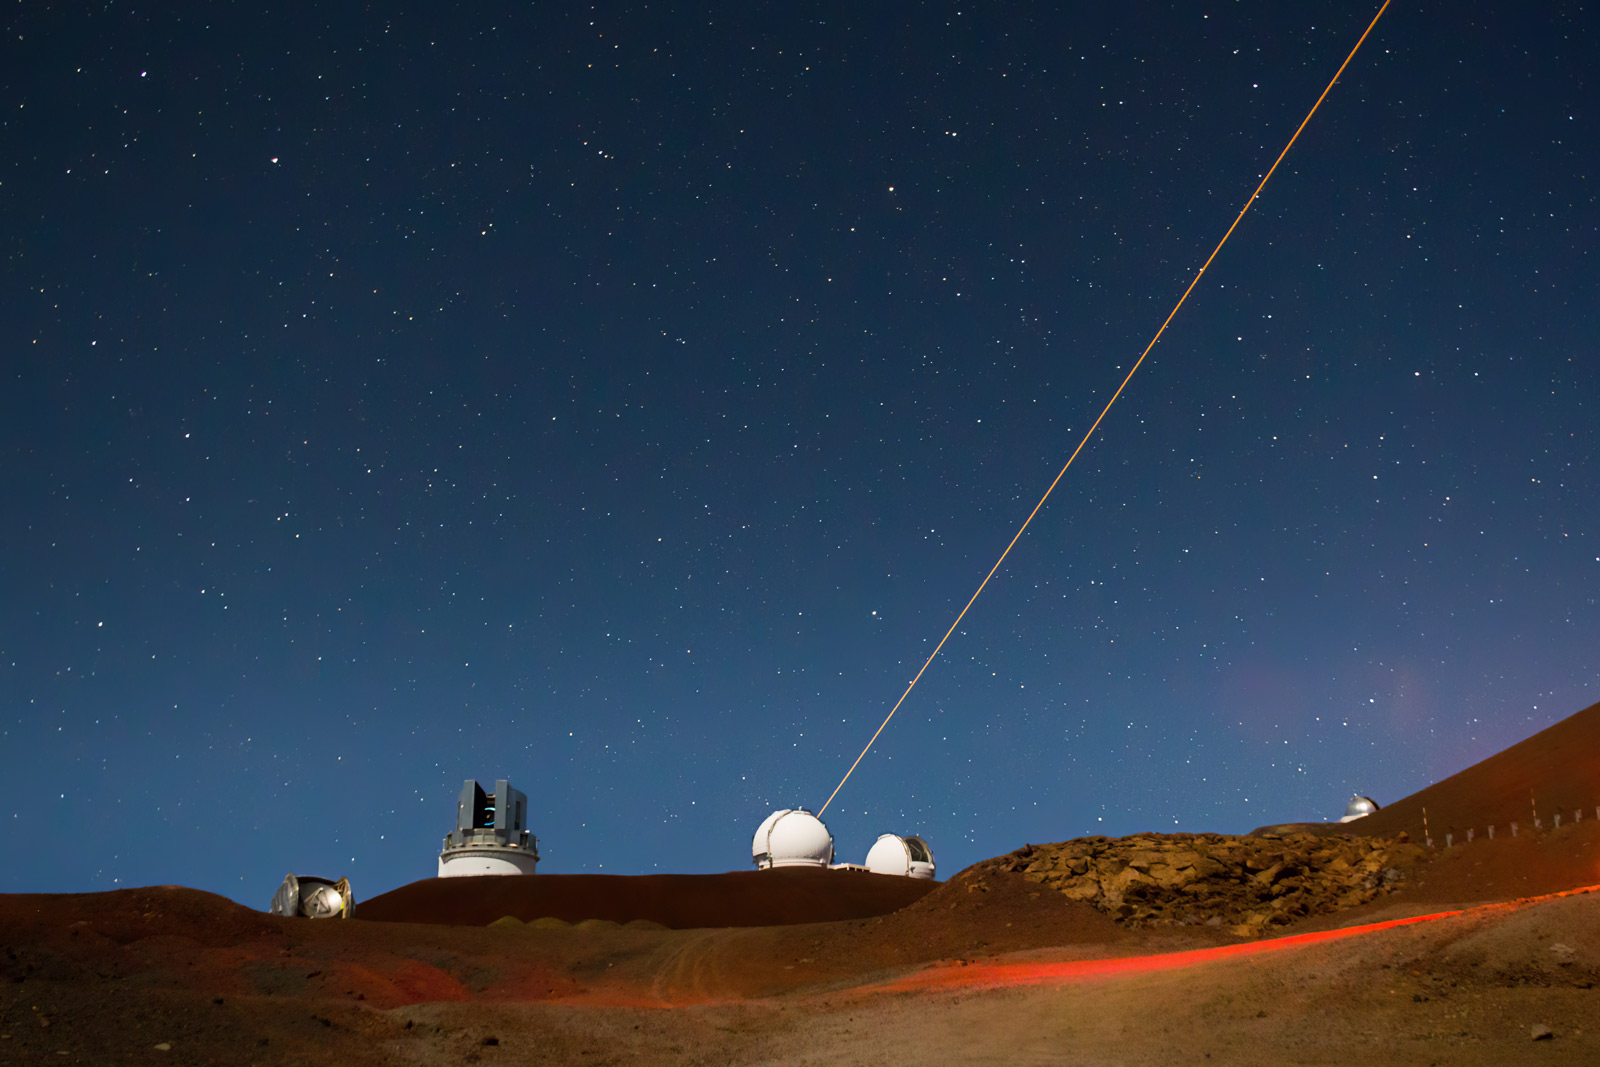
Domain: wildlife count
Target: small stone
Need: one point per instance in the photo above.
(164, 1046)
(491, 1041)
(1541, 1032)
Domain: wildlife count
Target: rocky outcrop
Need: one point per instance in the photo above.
(1246, 884)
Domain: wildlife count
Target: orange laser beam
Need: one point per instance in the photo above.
(1170, 316)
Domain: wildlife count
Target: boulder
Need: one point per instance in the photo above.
(1246, 884)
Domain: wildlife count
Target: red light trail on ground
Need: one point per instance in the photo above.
(997, 975)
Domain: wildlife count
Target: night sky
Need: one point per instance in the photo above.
(624, 400)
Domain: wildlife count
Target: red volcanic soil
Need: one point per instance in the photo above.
(739, 898)
(172, 975)
(1556, 771)
(781, 966)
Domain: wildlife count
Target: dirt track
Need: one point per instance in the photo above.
(175, 976)
(109, 977)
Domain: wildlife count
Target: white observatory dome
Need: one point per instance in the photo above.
(906, 856)
(1359, 807)
(491, 834)
(792, 837)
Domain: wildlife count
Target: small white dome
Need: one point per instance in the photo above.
(905, 856)
(1358, 807)
(792, 837)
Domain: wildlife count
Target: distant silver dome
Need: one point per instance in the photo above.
(905, 856)
(1359, 807)
(311, 897)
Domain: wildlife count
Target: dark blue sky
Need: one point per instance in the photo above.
(624, 402)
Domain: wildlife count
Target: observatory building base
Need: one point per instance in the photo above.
(485, 859)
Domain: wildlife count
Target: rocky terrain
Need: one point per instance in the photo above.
(1023, 972)
(1328, 946)
(1244, 884)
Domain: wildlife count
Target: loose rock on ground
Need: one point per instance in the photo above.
(1246, 884)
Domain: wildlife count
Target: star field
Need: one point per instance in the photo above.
(623, 401)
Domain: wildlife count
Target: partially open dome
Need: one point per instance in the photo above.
(792, 837)
(1358, 807)
(905, 856)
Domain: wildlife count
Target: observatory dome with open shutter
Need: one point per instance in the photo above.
(906, 856)
(1359, 807)
(792, 837)
(491, 834)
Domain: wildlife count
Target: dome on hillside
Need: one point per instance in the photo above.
(1359, 806)
(491, 834)
(313, 897)
(905, 856)
(792, 837)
